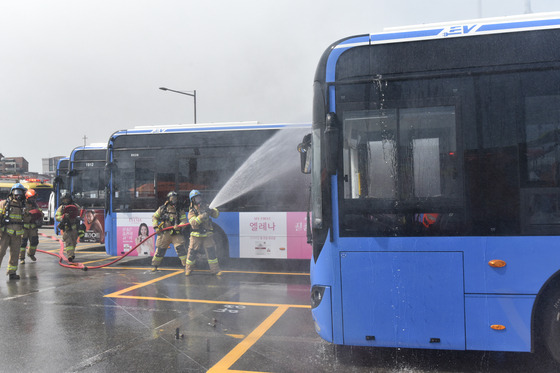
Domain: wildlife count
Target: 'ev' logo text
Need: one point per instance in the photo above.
(458, 30)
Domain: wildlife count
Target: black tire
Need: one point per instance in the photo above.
(550, 325)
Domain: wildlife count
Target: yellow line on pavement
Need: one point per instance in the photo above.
(186, 300)
(117, 294)
(247, 342)
(269, 273)
(237, 336)
(243, 346)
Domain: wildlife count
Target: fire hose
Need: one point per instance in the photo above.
(81, 266)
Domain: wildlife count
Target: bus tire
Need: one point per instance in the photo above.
(550, 325)
(222, 242)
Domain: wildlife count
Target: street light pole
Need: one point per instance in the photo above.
(193, 95)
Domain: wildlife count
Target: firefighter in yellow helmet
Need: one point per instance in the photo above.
(11, 221)
(200, 215)
(170, 214)
(32, 220)
(68, 217)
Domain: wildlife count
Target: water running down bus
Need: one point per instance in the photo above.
(436, 187)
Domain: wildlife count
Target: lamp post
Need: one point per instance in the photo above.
(184, 93)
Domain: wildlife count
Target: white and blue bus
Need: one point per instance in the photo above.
(265, 221)
(436, 187)
(86, 171)
(86, 183)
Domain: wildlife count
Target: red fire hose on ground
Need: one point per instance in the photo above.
(81, 266)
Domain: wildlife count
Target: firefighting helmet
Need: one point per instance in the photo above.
(172, 197)
(195, 196)
(30, 193)
(18, 190)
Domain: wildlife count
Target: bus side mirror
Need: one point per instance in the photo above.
(331, 142)
(304, 150)
(59, 181)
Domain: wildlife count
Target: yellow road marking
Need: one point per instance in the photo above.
(117, 294)
(108, 259)
(206, 301)
(247, 342)
(87, 246)
(207, 271)
(269, 273)
(238, 336)
(239, 350)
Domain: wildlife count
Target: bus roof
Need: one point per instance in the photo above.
(206, 127)
(89, 148)
(96, 146)
(474, 27)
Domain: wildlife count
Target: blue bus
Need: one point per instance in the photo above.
(61, 184)
(435, 164)
(265, 216)
(86, 175)
(86, 171)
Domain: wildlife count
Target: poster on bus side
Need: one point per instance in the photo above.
(95, 226)
(132, 229)
(274, 235)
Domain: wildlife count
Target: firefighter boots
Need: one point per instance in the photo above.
(215, 268)
(13, 276)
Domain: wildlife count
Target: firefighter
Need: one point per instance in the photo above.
(32, 220)
(11, 215)
(170, 214)
(200, 215)
(68, 217)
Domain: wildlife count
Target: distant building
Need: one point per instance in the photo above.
(49, 165)
(13, 165)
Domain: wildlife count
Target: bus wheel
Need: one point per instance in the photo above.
(550, 326)
(222, 243)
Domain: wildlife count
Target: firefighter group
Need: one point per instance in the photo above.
(20, 218)
(172, 216)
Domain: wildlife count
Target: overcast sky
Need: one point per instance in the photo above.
(75, 68)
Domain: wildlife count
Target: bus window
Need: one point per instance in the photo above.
(404, 162)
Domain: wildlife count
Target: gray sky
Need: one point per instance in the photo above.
(71, 68)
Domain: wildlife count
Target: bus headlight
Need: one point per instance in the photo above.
(317, 292)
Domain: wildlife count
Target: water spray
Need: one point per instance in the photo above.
(273, 159)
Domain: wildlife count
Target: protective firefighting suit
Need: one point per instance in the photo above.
(71, 227)
(169, 215)
(201, 236)
(11, 215)
(32, 220)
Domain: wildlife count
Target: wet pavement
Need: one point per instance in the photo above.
(255, 317)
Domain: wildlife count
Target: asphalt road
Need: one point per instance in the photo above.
(255, 317)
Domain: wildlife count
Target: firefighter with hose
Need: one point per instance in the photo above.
(32, 220)
(68, 217)
(11, 221)
(170, 214)
(200, 215)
